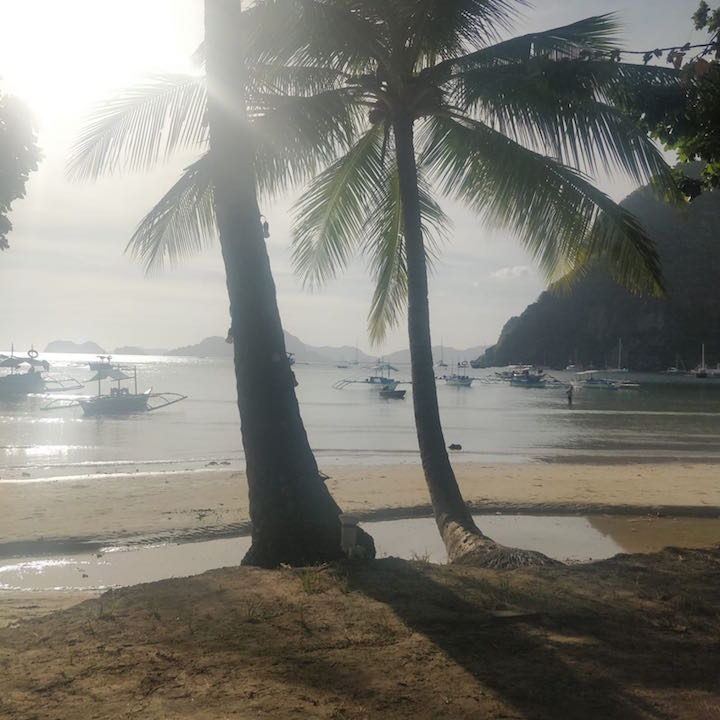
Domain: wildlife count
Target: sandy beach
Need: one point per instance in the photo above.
(213, 502)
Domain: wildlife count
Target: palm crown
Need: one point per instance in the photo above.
(508, 126)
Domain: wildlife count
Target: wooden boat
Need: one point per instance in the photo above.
(28, 375)
(120, 401)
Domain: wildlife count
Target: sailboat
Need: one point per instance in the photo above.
(442, 363)
(700, 371)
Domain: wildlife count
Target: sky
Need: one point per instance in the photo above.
(66, 275)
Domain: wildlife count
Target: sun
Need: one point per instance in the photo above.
(61, 55)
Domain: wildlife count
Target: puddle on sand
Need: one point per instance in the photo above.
(564, 537)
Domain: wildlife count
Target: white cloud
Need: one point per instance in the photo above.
(512, 273)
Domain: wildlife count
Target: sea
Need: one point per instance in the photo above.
(667, 418)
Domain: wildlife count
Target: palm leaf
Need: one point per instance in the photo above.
(141, 126)
(297, 136)
(556, 213)
(314, 33)
(385, 246)
(181, 224)
(331, 214)
(554, 106)
(596, 34)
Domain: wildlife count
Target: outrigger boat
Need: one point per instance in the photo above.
(26, 376)
(590, 381)
(120, 401)
(380, 380)
(528, 377)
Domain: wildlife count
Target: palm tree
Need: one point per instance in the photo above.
(294, 518)
(509, 127)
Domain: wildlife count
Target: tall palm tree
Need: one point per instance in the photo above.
(509, 127)
(294, 518)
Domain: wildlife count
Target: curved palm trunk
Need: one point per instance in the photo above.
(463, 540)
(294, 518)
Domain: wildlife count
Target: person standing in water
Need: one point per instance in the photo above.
(569, 393)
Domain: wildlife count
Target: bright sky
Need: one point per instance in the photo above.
(66, 276)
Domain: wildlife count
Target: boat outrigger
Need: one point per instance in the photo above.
(120, 401)
(379, 380)
(28, 375)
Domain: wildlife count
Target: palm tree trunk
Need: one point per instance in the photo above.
(294, 518)
(463, 540)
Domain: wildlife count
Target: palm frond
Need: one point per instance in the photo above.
(596, 34)
(313, 33)
(141, 126)
(558, 215)
(385, 246)
(331, 214)
(558, 107)
(388, 264)
(181, 224)
(446, 28)
(297, 136)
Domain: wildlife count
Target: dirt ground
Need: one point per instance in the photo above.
(632, 638)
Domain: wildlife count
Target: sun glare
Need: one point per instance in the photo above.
(62, 56)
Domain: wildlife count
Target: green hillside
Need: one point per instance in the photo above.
(584, 325)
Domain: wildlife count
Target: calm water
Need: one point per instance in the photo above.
(665, 419)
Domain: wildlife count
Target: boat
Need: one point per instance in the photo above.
(379, 379)
(291, 357)
(390, 392)
(529, 377)
(120, 400)
(100, 362)
(590, 381)
(457, 380)
(703, 372)
(441, 363)
(28, 375)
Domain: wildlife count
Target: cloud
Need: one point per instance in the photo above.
(512, 273)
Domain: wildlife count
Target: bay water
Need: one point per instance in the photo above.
(667, 418)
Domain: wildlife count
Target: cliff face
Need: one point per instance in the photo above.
(583, 325)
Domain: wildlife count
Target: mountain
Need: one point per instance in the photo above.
(450, 355)
(217, 347)
(134, 350)
(585, 324)
(213, 346)
(67, 346)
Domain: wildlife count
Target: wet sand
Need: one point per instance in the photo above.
(118, 507)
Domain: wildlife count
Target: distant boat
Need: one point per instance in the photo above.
(380, 379)
(291, 357)
(456, 380)
(442, 363)
(390, 392)
(529, 377)
(590, 381)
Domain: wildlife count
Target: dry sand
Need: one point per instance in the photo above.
(204, 503)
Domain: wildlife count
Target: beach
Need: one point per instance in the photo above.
(211, 502)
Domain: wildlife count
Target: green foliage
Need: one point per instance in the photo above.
(684, 116)
(19, 156)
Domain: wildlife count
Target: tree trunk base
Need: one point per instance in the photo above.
(305, 546)
(470, 547)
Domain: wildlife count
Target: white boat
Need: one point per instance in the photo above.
(21, 376)
(456, 380)
(120, 400)
(379, 379)
(528, 377)
(589, 380)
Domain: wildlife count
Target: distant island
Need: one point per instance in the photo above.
(215, 346)
(589, 324)
(67, 346)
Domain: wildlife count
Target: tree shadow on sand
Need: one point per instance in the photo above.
(607, 640)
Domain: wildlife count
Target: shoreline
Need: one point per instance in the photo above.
(49, 515)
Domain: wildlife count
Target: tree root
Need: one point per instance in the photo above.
(468, 546)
